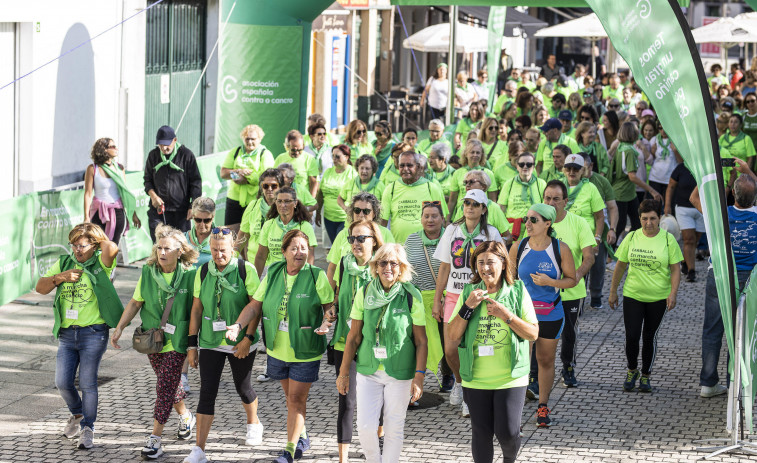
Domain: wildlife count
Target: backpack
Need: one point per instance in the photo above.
(555, 250)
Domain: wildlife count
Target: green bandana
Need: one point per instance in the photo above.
(351, 267)
(418, 182)
(446, 173)
(574, 194)
(202, 248)
(87, 264)
(264, 207)
(665, 148)
(221, 281)
(728, 143)
(375, 297)
(469, 236)
(287, 227)
(169, 162)
(157, 276)
(127, 198)
(428, 241)
(371, 184)
(251, 159)
(525, 194)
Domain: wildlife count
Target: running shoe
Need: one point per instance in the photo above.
(185, 382)
(254, 434)
(456, 395)
(630, 383)
(464, 411)
(186, 425)
(569, 377)
(303, 444)
(448, 382)
(197, 455)
(285, 457)
(72, 427)
(532, 391)
(87, 438)
(542, 417)
(713, 391)
(152, 448)
(645, 385)
(263, 378)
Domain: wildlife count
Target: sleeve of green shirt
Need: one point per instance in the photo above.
(312, 167)
(632, 161)
(504, 195)
(750, 151)
(595, 201)
(622, 252)
(259, 294)
(585, 237)
(609, 191)
(323, 288)
(674, 250)
(198, 282)
(308, 230)
(228, 161)
(357, 306)
(454, 184)
(137, 296)
(437, 194)
(418, 312)
(251, 281)
(386, 203)
(264, 232)
(54, 270)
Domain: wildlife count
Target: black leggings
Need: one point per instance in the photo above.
(118, 231)
(628, 209)
(211, 367)
(642, 319)
(446, 370)
(570, 332)
(234, 212)
(495, 412)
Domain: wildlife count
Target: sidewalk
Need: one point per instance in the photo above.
(596, 422)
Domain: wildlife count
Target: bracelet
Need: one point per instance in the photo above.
(340, 376)
(510, 320)
(423, 372)
(192, 348)
(192, 340)
(251, 337)
(465, 312)
(612, 230)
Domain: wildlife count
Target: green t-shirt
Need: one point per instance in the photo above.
(493, 372)
(340, 343)
(424, 146)
(511, 197)
(750, 126)
(741, 149)
(402, 205)
(168, 345)
(552, 174)
(417, 313)
(608, 92)
(304, 165)
(464, 127)
(358, 150)
(252, 222)
(495, 154)
(575, 232)
(624, 162)
(282, 349)
(500, 103)
(649, 260)
(603, 186)
(504, 171)
(340, 247)
(303, 194)
(349, 190)
(445, 179)
(257, 161)
(389, 174)
(456, 184)
(544, 152)
(333, 183)
(79, 296)
(271, 235)
(587, 203)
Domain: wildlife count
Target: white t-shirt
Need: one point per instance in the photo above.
(450, 251)
(437, 93)
(662, 168)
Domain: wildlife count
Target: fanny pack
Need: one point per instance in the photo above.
(151, 341)
(543, 308)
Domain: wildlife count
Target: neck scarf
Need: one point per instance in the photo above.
(525, 193)
(264, 207)
(445, 173)
(87, 264)
(169, 289)
(375, 297)
(202, 248)
(469, 236)
(127, 198)
(665, 147)
(251, 159)
(428, 241)
(287, 227)
(221, 281)
(319, 151)
(572, 195)
(371, 184)
(169, 161)
(351, 267)
(418, 182)
(728, 143)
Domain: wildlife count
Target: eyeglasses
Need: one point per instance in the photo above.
(221, 230)
(750, 101)
(320, 134)
(530, 219)
(199, 220)
(80, 247)
(431, 203)
(587, 119)
(284, 202)
(613, 106)
(358, 211)
(295, 150)
(360, 132)
(471, 203)
(248, 139)
(434, 131)
(112, 147)
(525, 165)
(532, 140)
(359, 238)
(407, 166)
(493, 128)
(391, 264)
(588, 95)
(166, 250)
(410, 137)
(573, 169)
(470, 182)
(269, 186)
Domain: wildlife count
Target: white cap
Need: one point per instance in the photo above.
(478, 196)
(574, 160)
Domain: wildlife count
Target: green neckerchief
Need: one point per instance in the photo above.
(464, 88)
(285, 228)
(525, 194)
(445, 174)
(665, 148)
(89, 263)
(318, 152)
(264, 207)
(252, 155)
(728, 143)
(169, 289)
(509, 164)
(371, 184)
(469, 236)
(351, 267)
(127, 198)
(221, 281)
(169, 162)
(499, 296)
(428, 241)
(384, 153)
(202, 248)
(418, 182)
(375, 297)
(588, 149)
(572, 195)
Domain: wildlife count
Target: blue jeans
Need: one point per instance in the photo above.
(712, 329)
(332, 228)
(82, 348)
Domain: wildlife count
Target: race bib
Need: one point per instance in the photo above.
(170, 329)
(72, 314)
(219, 325)
(284, 326)
(380, 352)
(485, 351)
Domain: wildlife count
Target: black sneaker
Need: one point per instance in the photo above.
(569, 377)
(303, 444)
(630, 383)
(532, 391)
(645, 385)
(542, 417)
(285, 457)
(684, 268)
(448, 382)
(691, 276)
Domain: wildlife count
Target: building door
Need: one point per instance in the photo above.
(8, 152)
(174, 58)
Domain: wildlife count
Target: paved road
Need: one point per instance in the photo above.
(596, 422)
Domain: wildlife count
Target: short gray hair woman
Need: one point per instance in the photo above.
(203, 213)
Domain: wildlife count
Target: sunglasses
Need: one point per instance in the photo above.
(269, 186)
(295, 150)
(221, 230)
(471, 203)
(747, 102)
(360, 132)
(248, 139)
(320, 134)
(112, 147)
(359, 238)
(430, 203)
(493, 128)
(80, 247)
(407, 166)
(530, 219)
(284, 202)
(525, 165)
(206, 221)
(470, 182)
(391, 264)
(358, 211)
(613, 106)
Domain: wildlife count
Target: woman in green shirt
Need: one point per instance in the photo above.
(365, 181)
(520, 193)
(650, 289)
(494, 149)
(334, 179)
(475, 115)
(389, 337)
(294, 301)
(473, 158)
(382, 145)
(318, 146)
(357, 139)
(492, 323)
(352, 275)
(167, 278)
(737, 144)
(203, 213)
(256, 212)
(586, 138)
(243, 166)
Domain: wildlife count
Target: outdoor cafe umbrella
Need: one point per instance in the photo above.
(586, 27)
(727, 32)
(435, 39)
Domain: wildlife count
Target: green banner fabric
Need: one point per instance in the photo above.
(260, 83)
(529, 3)
(752, 4)
(15, 242)
(750, 347)
(54, 214)
(655, 40)
(496, 27)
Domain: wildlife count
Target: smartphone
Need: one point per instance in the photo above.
(728, 162)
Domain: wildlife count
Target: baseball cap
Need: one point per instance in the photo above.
(551, 123)
(727, 105)
(574, 160)
(565, 115)
(165, 135)
(647, 112)
(478, 196)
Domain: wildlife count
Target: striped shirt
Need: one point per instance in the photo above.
(423, 279)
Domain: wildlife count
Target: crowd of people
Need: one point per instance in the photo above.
(465, 251)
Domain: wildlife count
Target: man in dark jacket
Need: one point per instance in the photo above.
(172, 180)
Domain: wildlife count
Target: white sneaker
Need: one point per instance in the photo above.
(197, 455)
(465, 412)
(185, 382)
(152, 448)
(87, 438)
(263, 378)
(72, 427)
(254, 434)
(456, 395)
(712, 391)
(186, 425)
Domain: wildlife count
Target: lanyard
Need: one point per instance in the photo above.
(381, 317)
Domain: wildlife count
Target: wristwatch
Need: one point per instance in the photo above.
(251, 337)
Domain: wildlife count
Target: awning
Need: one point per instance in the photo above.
(514, 18)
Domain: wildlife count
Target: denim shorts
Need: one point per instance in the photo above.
(303, 372)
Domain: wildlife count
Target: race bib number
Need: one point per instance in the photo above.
(284, 326)
(170, 329)
(72, 314)
(485, 351)
(380, 352)
(219, 325)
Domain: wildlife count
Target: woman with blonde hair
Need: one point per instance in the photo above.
(388, 335)
(357, 140)
(163, 297)
(243, 165)
(494, 148)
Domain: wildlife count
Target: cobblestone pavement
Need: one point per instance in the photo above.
(596, 422)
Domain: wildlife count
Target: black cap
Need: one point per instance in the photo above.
(565, 115)
(165, 135)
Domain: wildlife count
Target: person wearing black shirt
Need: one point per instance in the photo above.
(172, 180)
(551, 70)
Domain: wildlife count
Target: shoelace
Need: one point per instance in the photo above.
(630, 376)
(151, 442)
(184, 424)
(542, 412)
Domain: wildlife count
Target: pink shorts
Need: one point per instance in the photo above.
(450, 300)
